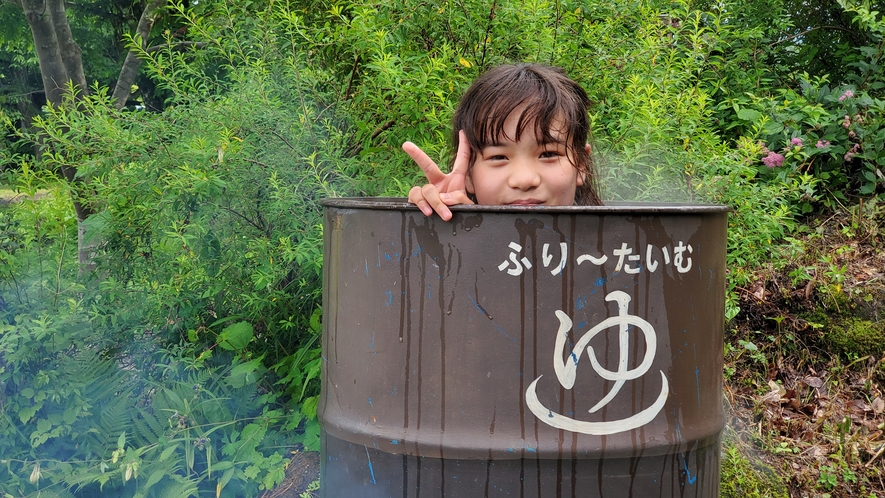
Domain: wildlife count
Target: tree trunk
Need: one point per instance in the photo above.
(61, 65)
(52, 67)
(70, 52)
(130, 66)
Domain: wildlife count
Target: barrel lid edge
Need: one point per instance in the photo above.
(401, 203)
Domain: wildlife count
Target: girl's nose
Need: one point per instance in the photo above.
(523, 175)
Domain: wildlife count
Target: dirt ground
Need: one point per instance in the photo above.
(303, 469)
(804, 360)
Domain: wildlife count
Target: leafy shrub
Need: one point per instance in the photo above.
(835, 132)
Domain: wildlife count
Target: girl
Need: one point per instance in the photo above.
(521, 134)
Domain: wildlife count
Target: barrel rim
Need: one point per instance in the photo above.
(618, 207)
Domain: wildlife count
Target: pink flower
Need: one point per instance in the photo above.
(851, 134)
(847, 122)
(822, 143)
(847, 95)
(796, 142)
(851, 153)
(773, 159)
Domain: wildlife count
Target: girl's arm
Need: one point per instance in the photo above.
(442, 190)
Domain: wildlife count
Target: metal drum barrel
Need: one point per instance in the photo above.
(522, 351)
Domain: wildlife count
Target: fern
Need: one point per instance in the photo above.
(147, 428)
(110, 394)
(177, 488)
(116, 418)
(51, 492)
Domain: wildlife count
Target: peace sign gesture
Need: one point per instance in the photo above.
(443, 190)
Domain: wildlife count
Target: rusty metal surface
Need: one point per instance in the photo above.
(571, 351)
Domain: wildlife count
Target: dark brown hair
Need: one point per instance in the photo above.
(549, 98)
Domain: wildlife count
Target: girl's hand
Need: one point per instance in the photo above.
(443, 190)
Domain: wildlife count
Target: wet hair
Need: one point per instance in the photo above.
(549, 100)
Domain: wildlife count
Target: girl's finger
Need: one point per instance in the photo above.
(455, 197)
(416, 197)
(431, 194)
(462, 157)
(430, 169)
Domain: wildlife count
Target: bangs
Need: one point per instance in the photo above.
(542, 112)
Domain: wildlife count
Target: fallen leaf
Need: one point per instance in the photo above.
(814, 382)
(878, 405)
(759, 291)
(859, 405)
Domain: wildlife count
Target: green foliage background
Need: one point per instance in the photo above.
(187, 362)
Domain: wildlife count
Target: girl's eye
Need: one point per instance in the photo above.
(550, 154)
(497, 157)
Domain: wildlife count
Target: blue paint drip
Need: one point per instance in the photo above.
(370, 401)
(367, 267)
(688, 477)
(372, 344)
(371, 470)
(394, 441)
(389, 297)
(599, 282)
(581, 302)
(575, 358)
(428, 292)
(493, 322)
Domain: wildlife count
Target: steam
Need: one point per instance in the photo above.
(650, 173)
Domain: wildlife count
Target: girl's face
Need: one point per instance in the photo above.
(524, 172)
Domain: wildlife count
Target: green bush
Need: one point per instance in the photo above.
(834, 131)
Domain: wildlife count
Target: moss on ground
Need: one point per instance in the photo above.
(747, 477)
(850, 336)
(855, 336)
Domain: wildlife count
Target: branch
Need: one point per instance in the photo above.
(164, 46)
(358, 147)
(352, 75)
(283, 139)
(797, 35)
(130, 66)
